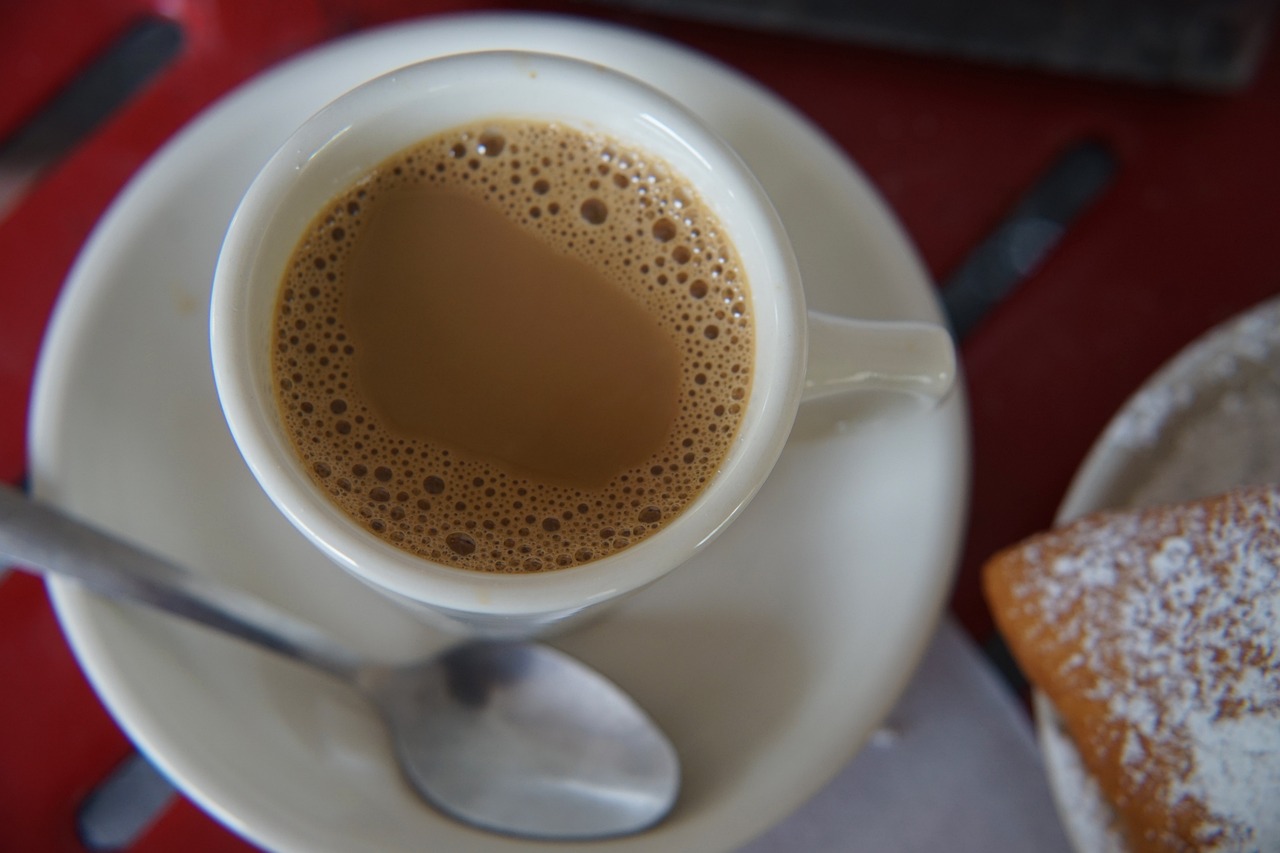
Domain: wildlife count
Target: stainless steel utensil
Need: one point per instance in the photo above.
(513, 737)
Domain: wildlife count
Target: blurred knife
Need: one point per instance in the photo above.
(83, 104)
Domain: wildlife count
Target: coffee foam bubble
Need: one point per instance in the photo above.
(585, 195)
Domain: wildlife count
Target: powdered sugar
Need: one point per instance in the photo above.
(1232, 780)
(1206, 422)
(1088, 819)
(1182, 615)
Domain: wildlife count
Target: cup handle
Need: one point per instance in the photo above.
(847, 355)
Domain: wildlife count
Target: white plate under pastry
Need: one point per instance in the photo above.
(769, 659)
(1207, 421)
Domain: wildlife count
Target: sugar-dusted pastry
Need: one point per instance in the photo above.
(1156, 635)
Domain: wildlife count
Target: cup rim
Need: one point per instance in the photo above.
(249, 406)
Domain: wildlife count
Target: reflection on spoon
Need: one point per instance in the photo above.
(516, 738)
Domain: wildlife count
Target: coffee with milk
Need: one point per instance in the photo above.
(515, 346)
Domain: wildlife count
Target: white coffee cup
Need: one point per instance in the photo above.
(368, 124)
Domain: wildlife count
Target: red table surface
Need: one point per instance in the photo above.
(1186, 236)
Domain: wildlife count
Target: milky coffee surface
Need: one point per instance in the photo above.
(514, 346)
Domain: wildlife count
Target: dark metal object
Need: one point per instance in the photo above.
(123, 806)
(1031, 229)
(84, 103)
(1200, 44)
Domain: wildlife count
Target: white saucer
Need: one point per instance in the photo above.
(1205, 422)
(768, 660)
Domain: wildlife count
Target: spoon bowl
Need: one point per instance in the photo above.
(512, 737)
(556, 745)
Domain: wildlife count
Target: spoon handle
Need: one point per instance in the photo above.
(38, 537)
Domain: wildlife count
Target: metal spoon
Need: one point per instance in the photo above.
(512, 737)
